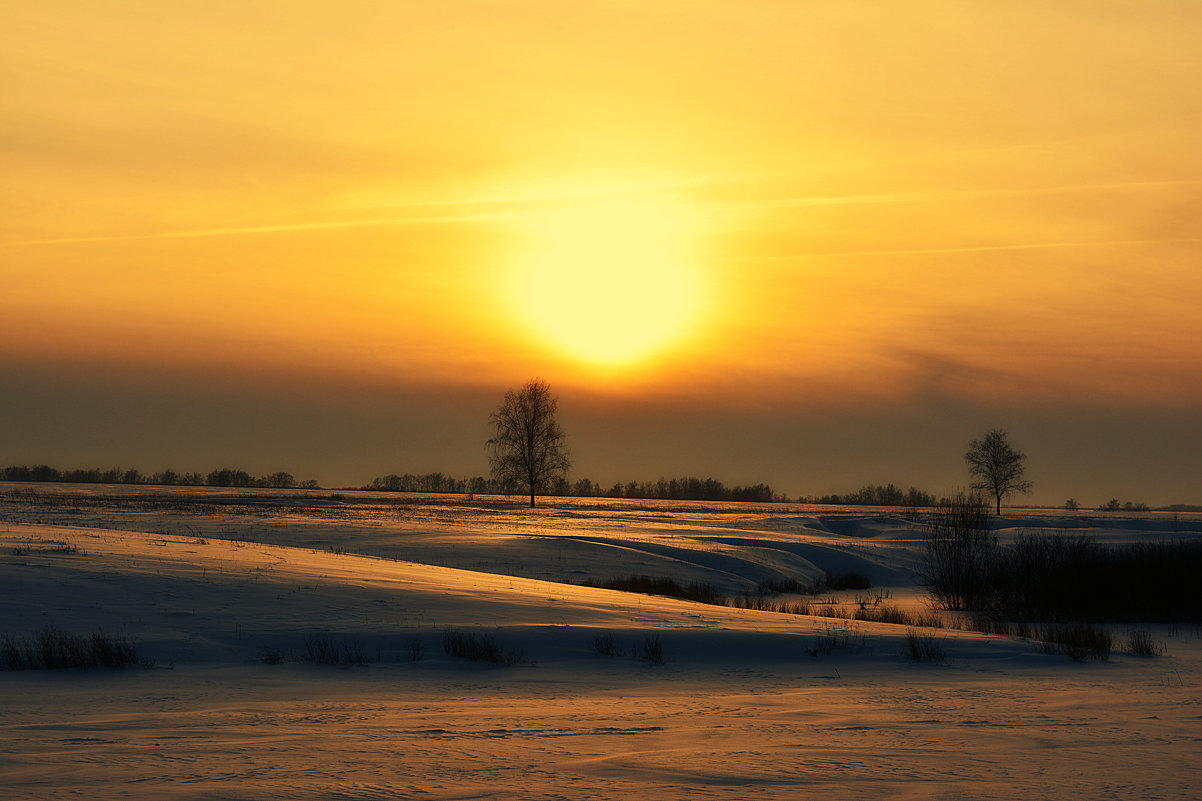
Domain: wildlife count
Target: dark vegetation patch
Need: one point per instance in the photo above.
(789, 585)
(53, 648)
(923, 647)
(1080, 641)
(605, 645)
(836, 635)
(663, 585)
(1057, 577)
(1063, 577)
(702, 592)
(849, 580)
(888, 613)
(761, 603)
(1002, 628)
(651, 650)
(1141, 643)
(478, 648)
(325, 649)
(1066, 577)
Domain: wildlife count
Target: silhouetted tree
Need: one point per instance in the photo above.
(168, 477)
(226, 477)
(43, 472)
(280, 480)
(995, 467)
(527, 449)
(877, 495)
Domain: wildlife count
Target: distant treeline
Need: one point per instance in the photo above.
(688, 488)
(1113, 505)
(224, 477)
(675, 489)
(672, 489)
(877, 495)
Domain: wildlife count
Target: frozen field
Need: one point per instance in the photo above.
(228, 591)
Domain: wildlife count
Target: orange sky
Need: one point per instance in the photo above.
(758, 210)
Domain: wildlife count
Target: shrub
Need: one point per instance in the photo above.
(930, 620)
(1080, 641)
(888, 613)
(1043, 577)
(10, 654)
(990, 625)
(1140, 643)
(322, 649)
(834, 635)
(924, 647)
(108, 652)
(55, 649)
(960, 549)
(604, 645)
(749, 601)
(885, 613)
(651, 650)
(478, 648)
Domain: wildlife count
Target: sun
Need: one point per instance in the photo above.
(608, 282)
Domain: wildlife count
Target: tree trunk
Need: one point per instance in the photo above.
(531, 499)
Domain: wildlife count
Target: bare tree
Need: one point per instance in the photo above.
(995, 467)
(961, 551)
(527, 449)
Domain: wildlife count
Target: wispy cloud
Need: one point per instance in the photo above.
(975, 248)
(516, 206)
(199, 233)
(376, 215)
(951, 194)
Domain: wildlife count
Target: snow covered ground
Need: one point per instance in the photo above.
(229, 591)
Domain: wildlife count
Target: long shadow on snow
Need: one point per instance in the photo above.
(778, 560)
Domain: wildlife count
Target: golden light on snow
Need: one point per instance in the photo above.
(607, 282)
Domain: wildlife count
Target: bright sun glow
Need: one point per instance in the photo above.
(610, 282)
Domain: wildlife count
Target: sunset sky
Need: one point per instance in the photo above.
(815, 245)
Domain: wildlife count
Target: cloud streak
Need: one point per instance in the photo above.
(509, 208)
(976, 248)
(200, 233)
(951, 194)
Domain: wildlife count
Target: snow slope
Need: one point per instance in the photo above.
(747, 704)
